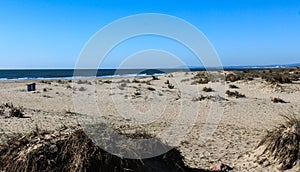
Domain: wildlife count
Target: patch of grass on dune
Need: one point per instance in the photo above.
(70, 149)
(281, 145)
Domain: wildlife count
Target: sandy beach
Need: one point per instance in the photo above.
(156, 104)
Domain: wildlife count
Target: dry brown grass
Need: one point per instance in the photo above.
(233, 86)
(16, 112)
(82, 89)
(2, 109)
(170, 86)
(207, 89)
(82, 82)
(155, 77)
(277, 77)
(71, 150)
(9, 110)
(235, 94)
(281, 145)
(151, 88)
(232, 77)
(277, 100)
(272, 76)
(200, 98)
(200, 78)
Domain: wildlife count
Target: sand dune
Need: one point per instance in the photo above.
(207, 127)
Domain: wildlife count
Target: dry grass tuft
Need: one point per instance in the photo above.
(277, 77)
(233, 86)
(2, 109)
(9, 110)
(212, 98)
(151, 88)
(200, 98)
(170, 86)
(277, 100)
(82, 89)
(16, 112)
(207, 89)
(71, 150)
(107, 81)
(136, 81)
(155, 77)
(281, 145)
(80, 82)
(234, 94)
(200, 78)
(137, 93)
(232, 77)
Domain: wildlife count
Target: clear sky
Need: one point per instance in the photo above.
(52, 33)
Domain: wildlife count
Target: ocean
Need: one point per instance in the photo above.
(44, 74)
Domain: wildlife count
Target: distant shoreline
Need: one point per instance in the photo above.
(56, 74)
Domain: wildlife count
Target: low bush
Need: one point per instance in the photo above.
(207, 89)
(82, 89)
(234, 94)
(277, 100)
(16, 112)
(232, 77)
(233, 86)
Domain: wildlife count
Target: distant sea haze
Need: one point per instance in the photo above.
(40, 74)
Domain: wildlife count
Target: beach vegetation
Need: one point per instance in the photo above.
(107, 81)
(45, 82)
(47, 96)
(281, 145)
(82, 89)
(277, 100)
(235, 94)
(148, 82)
(155, 77)
(277, 78)
(200, 98)
(16, 112)
(207, 89)
(232, 77)
(135, 80)
(233, 86)
(170, 86)
(137, 93)
(151, 88)
(200, 78)
(82, 82)
(2, 111)
(68, 149)
(69, 86)
(123, 84)
(185, 80)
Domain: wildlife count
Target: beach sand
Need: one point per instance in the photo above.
(207, 129)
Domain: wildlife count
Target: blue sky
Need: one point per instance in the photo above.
(52, 33)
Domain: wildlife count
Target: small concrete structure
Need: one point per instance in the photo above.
(31, 87)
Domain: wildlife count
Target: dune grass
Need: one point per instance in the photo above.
(281, 145)
(69, 149)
